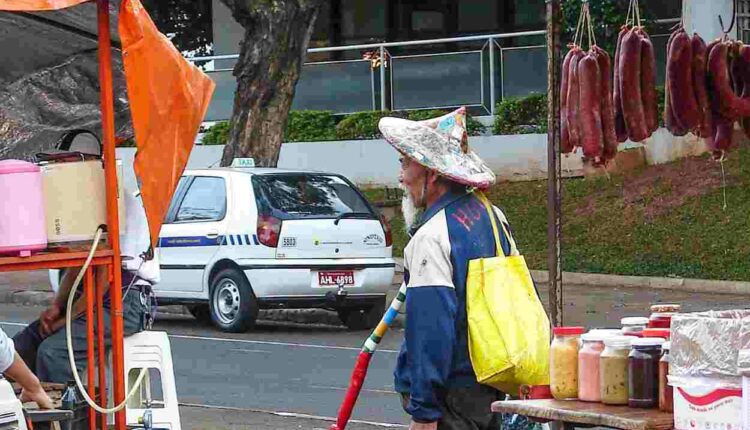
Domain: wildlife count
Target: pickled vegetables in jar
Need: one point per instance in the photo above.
(563, 362)
(613, 368)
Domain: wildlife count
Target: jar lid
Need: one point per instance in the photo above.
(663, 314)
(656, 332)
(608, 331)
(647, 341)
(634, 321)
(568, 331)
(595, 336)
(17, 166)
(666, 308)
(618, 341)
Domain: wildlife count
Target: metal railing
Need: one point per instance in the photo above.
(461, 77)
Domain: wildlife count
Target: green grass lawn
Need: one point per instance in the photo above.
(663, 220)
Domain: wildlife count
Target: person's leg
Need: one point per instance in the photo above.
(52, 362)
(26, 343)
(469, 409)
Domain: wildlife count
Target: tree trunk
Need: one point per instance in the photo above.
(272, 52)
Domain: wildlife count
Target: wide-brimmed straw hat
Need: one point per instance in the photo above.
(440, 144)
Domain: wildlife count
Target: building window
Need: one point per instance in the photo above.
(743, 20)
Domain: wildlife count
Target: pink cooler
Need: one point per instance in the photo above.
(22, 224)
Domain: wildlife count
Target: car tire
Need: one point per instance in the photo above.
(363, 318)
(232, 303)
(200, 312)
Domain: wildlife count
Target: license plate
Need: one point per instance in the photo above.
(334, 279)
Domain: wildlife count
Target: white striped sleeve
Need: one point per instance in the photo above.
(7, 351)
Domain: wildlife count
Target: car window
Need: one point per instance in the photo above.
(306, 195)
(205, 200)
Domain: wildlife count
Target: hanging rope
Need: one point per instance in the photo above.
(731, 24)
(578, 27)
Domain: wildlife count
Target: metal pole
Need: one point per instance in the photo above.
(492, 76)
(113, 222)
(382, 78)
(554, 182)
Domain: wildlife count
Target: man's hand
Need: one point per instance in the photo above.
(423, 426)
(38, 395)
(49, 318)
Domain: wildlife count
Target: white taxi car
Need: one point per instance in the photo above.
(237, 240)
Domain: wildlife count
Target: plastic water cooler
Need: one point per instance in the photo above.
(22, 218)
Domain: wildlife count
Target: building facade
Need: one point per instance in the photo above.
(474, 54)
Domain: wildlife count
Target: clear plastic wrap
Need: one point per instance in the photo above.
(708, 345)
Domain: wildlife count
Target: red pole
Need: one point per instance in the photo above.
(113, 226)
(88, 286)
(101, 279)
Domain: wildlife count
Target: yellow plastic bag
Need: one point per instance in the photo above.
(509, 332)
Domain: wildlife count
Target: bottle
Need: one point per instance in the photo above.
(69, 401)
(666, 398)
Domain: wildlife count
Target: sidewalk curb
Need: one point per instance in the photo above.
(319, 316)
(687, 285)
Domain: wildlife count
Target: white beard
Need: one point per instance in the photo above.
(410, 210)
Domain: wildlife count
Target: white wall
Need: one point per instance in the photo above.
(701, 16)
(375, 162)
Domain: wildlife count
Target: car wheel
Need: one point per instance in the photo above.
(200, 312)
(232, 304)
(363, 318)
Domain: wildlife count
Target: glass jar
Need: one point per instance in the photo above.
(633, 326)
(661, 315)
(656, 332)
(589, 389)
(613, 370)
(666, 397)
(660, 320)
(563, 362)
(607, 331)
(643, 372)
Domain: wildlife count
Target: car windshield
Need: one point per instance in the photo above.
(299, 195)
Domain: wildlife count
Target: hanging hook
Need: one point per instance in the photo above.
(731, 24)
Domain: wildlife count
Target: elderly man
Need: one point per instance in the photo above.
(449, 226)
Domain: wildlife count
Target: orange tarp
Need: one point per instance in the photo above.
(168, 101)
(37, 5)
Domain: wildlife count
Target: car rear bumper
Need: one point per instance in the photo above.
(288, 281)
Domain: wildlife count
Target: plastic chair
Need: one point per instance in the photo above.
(151, 350)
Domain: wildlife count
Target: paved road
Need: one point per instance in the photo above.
(304, 369)
(278, 368)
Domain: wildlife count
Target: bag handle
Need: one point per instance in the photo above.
(491, 213)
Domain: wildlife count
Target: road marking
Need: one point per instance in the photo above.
(250, 350)
(290, 415)
(264, 342)
(325, 387)
(250, 342)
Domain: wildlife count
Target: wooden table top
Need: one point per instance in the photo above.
(597, 414)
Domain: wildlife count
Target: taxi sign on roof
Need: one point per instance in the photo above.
(243, 162)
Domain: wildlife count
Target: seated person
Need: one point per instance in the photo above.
(43, 345)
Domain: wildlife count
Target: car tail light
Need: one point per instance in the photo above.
(269, 229)
(387, 230)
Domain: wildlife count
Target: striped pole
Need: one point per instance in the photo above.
(363, 360)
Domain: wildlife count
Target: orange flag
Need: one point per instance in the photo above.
(37, 5)
(168, 101)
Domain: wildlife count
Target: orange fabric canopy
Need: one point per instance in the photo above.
(168, 100)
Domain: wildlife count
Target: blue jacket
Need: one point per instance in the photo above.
(435, 354)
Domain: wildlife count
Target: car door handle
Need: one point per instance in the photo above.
(212, 235)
